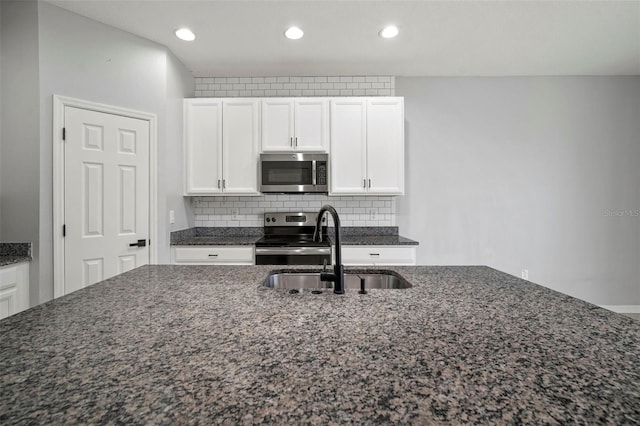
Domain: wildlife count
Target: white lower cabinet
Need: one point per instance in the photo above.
(14, 289)
(213, 255)
(378, 255)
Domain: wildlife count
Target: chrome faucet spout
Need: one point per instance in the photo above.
(338, 270)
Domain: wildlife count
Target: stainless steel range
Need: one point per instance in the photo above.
(288, 240)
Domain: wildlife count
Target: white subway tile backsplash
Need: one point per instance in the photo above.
(354, 211)
(285, 86)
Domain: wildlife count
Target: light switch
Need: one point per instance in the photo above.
(172, 216)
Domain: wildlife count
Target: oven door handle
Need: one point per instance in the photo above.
(292, 250)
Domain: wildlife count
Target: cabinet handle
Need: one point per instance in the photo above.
(295, 142)
(224, 183)
(291, 141)
(218, 183)
(364, 183)
(369, 183)
(374, 254)
(213, 255)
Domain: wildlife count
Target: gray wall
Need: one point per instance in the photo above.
(19, 141)
(0, 121)
(180, 85)
(81, 58)
(536, 173)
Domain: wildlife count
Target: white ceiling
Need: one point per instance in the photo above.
(437, 38)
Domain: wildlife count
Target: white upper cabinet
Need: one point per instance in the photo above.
(385, 146)
(221, 146)
(202, 146)
(311, 125)
(295, 124)
(367, 146)
(277, 124)
(348, 162)
(240, 146)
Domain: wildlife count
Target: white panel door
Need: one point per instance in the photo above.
(385, 146)
(348, 146)
(311, 125)
(106, 207)
(203, 146)
(277, 124)
(240, 140)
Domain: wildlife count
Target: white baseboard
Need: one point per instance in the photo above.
(623, 309)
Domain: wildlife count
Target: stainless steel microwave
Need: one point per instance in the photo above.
(295, 172)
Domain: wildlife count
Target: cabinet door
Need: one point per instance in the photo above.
(203, 146)
(311, 125)
(14, 289)
(385, 146)
(348, 146)
(240, 146)
(277, 124)
(221, 255)
(378, 255)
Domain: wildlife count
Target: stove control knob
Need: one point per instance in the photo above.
(273, 219)
(268, 220)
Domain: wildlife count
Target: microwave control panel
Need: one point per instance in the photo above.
(322, 174)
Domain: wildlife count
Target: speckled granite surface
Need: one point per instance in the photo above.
(372, 236)
(203, 345)
(238, 236)
(11, 253)
(384, 235)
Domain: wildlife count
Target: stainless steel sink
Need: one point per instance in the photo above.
(305, 281)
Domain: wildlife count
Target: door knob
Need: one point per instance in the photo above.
(140, 243)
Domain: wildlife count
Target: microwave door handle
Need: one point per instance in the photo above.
(313, 173)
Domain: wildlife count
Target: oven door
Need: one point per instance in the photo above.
(293, 255)
(293, 173)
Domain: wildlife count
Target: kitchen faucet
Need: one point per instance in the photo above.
(338, 270)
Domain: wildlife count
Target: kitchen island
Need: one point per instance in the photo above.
(204, 344)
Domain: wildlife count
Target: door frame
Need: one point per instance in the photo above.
(59, 104)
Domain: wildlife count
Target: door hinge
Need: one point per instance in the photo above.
(64, 133)
(64, 230)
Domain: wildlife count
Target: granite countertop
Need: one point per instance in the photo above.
(365, 235)
(11, 253)
(372, 236)
(376, 240)
(203, 344)
(212, 236)
(11, 260)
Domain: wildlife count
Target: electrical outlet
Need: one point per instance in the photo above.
(172, 216)
(373, 214)
(234, 214)
(525, 274)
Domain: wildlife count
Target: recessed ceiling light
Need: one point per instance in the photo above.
(389, 32)
(294, 33)
(185, 34)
